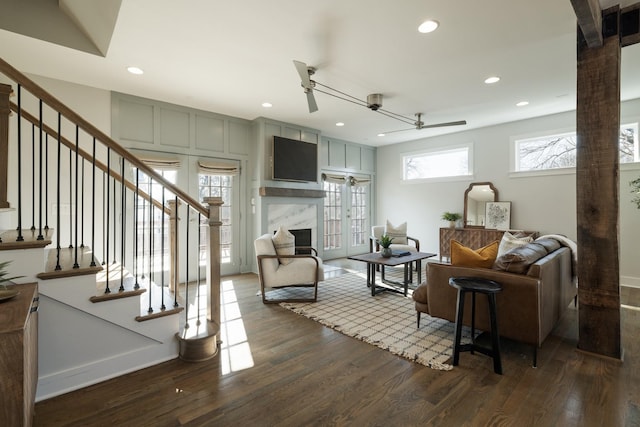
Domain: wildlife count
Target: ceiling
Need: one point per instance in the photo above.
(229, 57)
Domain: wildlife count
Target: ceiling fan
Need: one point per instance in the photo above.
(373, 101)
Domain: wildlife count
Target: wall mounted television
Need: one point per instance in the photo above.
(294, 160)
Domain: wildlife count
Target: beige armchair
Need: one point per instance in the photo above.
(377, 231)
(287, 271)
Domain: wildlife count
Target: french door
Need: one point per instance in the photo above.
(347, 213)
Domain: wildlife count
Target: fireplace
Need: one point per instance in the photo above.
(302, 238)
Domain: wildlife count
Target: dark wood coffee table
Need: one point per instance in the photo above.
(374, 259)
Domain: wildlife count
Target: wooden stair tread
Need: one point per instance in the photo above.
(67, 262)
(160, 313)
(117, 295)
(30, 239)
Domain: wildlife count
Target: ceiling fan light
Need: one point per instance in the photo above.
(428, 26)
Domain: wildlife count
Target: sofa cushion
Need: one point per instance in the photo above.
(463, 256)
(519, 260)
(398, 233)
(509, 241)
(285, 244)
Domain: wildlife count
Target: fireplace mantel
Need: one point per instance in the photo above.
(290, 192)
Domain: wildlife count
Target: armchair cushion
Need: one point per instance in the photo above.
(285, 244)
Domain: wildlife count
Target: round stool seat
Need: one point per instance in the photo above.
(475, 284)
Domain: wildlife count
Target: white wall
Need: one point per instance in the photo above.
(543, 203)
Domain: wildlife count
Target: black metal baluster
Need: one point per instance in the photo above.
(186, 272)
(198, 322)
(107, 290)
(20, 237)
(115, 218)
(75, 262)
(70, 199)
(177, 246)
(58, 184)
(82, 205)
(150, 247)
(104, 217)
(144, 220)
(123, 223)
(40, 236)
(33, 177)
(136, 203)
(46, 182)
(93, 205)
(162, 215)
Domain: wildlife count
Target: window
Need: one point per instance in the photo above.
(217, 186)
(332, 215)
(148, 219)
(450, 162)
(559, 150)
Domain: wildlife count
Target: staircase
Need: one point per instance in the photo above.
(109, 242)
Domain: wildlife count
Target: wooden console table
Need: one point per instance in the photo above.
(471, 237)
(19, 356)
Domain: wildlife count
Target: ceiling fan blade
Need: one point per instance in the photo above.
(397, 130)
(311, 100)
(440, 125)
(303, 71)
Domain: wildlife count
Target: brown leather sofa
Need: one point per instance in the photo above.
(528, 307)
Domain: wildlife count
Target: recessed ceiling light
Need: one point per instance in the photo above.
(339, 124)
(428, 26)
(135, 70)
(491, 80)
(522, 103)
(267, 104)
(381, 134)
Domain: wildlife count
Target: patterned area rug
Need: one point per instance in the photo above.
(387, 320)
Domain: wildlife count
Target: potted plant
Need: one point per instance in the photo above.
(385, 242)
(452, 217)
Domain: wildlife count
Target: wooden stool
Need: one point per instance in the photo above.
(490, 289)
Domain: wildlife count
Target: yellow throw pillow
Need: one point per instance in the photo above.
(463, 256)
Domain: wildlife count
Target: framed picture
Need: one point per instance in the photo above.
(498, 215)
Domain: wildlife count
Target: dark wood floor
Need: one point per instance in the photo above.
(300, 373)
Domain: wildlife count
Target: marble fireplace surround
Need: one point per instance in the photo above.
(293, 216)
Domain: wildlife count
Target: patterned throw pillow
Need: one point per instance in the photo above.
(463, 256)
(398, 233)
(285, 244)
(509, 241)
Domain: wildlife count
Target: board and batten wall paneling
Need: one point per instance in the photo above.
(209, 133)
(136, 122)
(154, 125)
(239, 135)
(337, 154)
(174, 128)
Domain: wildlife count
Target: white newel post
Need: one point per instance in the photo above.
(201, 342)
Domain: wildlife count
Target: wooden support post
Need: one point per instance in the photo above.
(202, 342)
(597, 187)
(174, 250)
(5, 111)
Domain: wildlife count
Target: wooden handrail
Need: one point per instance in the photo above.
(71, 145)
(94, 132)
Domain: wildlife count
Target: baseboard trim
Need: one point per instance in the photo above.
(101, 370)
(630, 281)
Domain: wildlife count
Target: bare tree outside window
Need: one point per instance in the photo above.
(437, 164)
(559, 151)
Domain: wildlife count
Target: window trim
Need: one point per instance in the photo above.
(469, 146)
